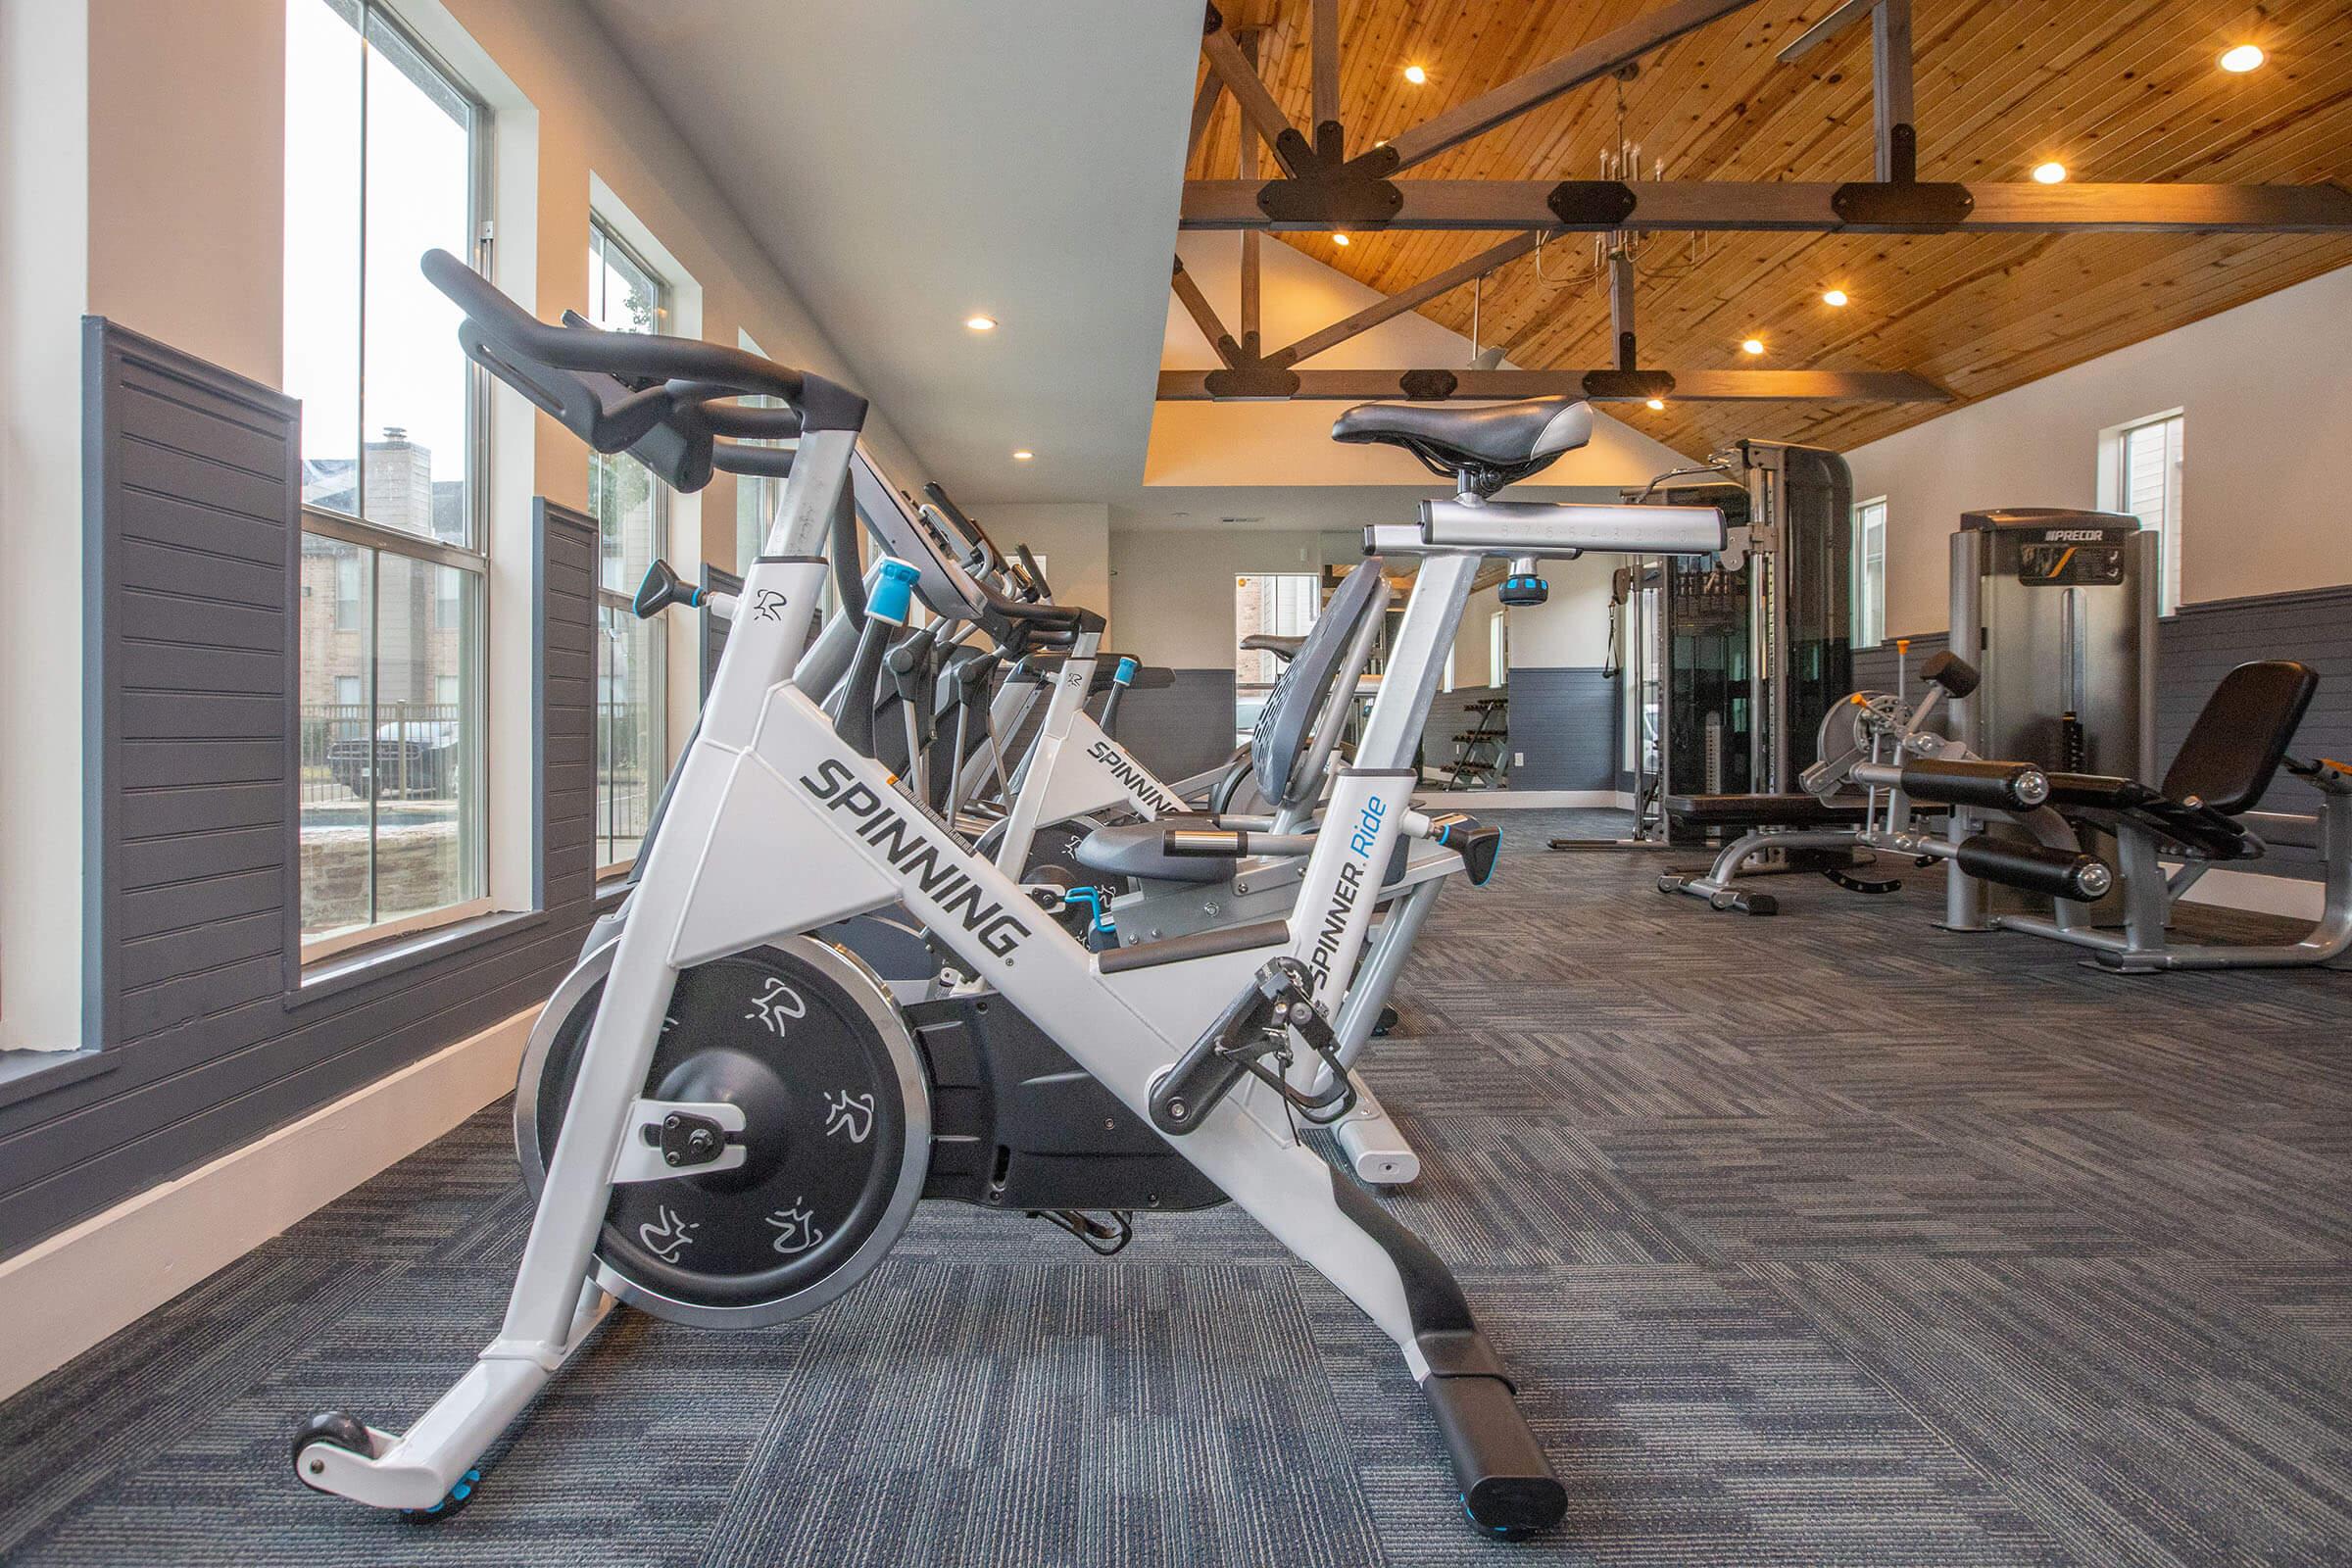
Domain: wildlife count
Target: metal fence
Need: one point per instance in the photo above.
(415, 754)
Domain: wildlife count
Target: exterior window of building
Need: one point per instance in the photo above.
(2147, 484)
(1869, 572)
(1284, 604)
(632, 517)
(386, 157)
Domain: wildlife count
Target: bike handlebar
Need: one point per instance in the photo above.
(663, 400)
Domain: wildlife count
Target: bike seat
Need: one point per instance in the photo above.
(1140, 849)
(1503, 442)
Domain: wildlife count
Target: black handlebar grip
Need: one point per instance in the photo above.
(2036, 867)
(1033, 572)
(1994, 786)
(661, 588)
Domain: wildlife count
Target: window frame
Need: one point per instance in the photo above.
(1870, 598)
(1498, 648)
(2169, 527)
(355, 529)
(1262, 689)
(619, 601)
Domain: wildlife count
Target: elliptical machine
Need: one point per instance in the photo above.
(745, 1118)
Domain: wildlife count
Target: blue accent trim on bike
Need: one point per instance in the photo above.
(893, 595)
(1124, 673)
(1091, 898)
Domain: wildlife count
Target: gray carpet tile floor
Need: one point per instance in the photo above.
(1819, 1240)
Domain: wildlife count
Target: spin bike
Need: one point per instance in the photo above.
(745, 1118)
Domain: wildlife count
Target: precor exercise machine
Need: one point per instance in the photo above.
(1886, 745)
(2062, 605)
(742, 1118)
(1731, 660)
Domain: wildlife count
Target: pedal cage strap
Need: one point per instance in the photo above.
(1103, 1237)
(1256, 1024)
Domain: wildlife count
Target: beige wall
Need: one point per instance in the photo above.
(1073, 537)
(148, 187)
(1290, 443)
(1171, 590)
(2268, 401)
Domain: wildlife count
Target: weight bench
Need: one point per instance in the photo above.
(2203, 816)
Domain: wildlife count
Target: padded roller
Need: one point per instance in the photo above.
(2035, 867)
(1950, 672)
(1994, 786)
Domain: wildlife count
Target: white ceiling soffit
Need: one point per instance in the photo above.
(1221, 444)
(910, 163)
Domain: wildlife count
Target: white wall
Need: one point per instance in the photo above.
(2268, 401)
(1570, 630)
(148, 187)
(44, 270)
(1074, 538)
(1171, 590)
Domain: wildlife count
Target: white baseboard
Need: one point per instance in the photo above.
(1507, 799)
(2287, 895)
(65, 1295)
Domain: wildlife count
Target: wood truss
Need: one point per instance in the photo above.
(1316, 185)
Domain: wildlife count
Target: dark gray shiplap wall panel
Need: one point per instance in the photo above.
(189, 633)
(191, 798)
(1181, 728)
(1564, 722)
(714, 626)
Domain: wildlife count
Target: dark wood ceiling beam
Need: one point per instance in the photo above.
(1205, 316)
(1204, 107)
(1896, 136)
(1608, 52)
(1822, 32)
(1767, 205)
(1257, 106)
(1689, 386)
(1325, 42)
(1411, 299)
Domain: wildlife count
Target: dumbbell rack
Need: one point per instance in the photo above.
(1480, 757)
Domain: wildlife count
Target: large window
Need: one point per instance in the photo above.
(1869, 572)
(632, 517)
(756, 495)
(1284, 604)
(2147, 482)
(385, 157)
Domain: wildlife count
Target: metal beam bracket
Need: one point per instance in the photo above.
(1330, 197)
(1258, 381)
(1627, 387)
(1902, 207)
(1428, 386)
(1586, 203)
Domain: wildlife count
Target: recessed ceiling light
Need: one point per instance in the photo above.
(1657, 402)
(1835, 297)
(1415, 74)
(2245, 58)
(2048, 174)
(1023, 454)
(1754, 345)
(1340, 239)
(981, 324)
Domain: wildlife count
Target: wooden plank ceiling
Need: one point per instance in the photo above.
(2114, 89)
